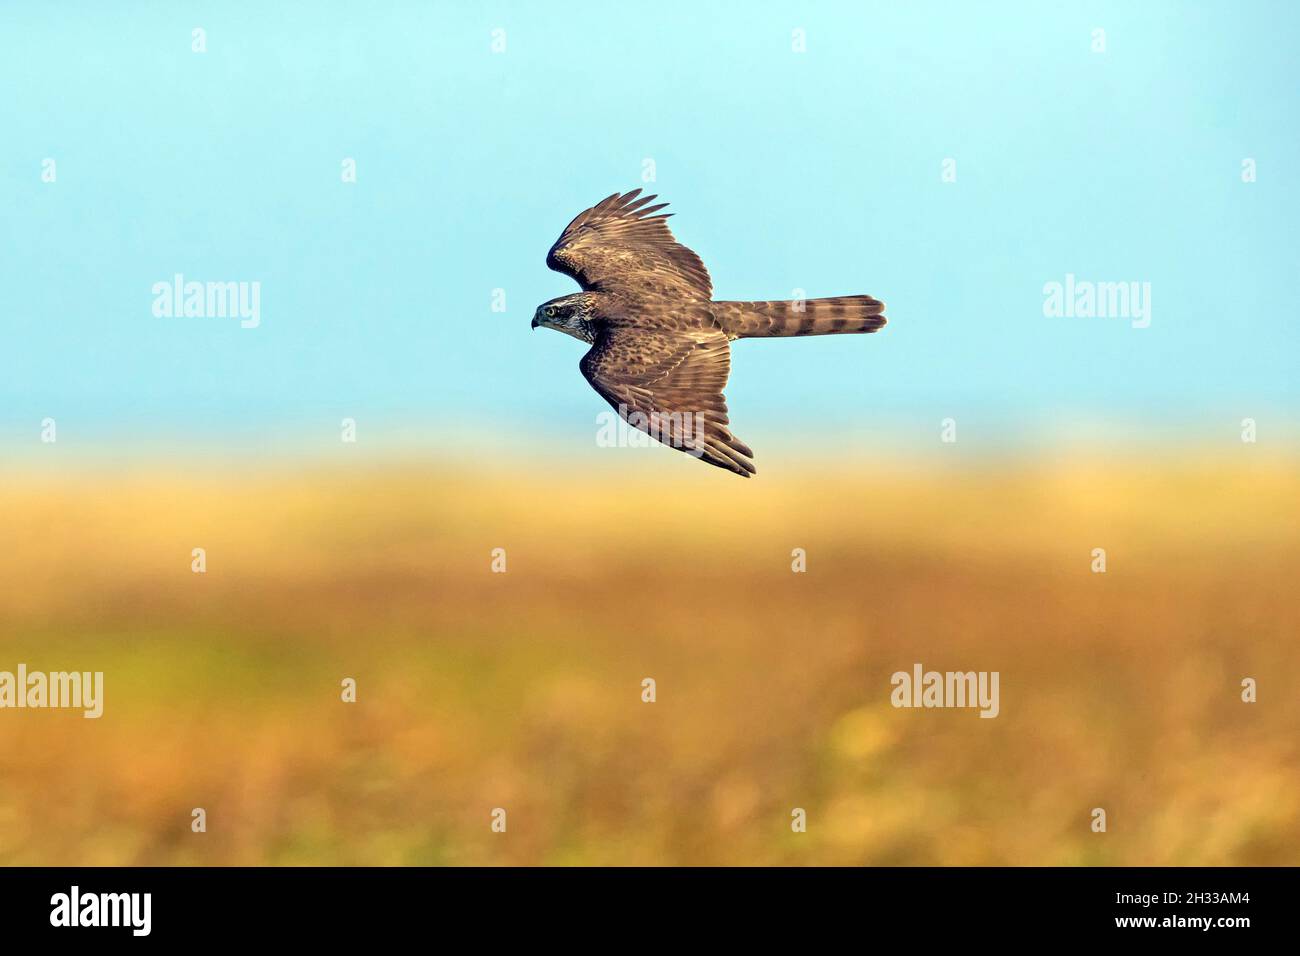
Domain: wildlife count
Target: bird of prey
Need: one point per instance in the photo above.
(660, 347)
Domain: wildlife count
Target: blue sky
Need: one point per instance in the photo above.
(818, 170)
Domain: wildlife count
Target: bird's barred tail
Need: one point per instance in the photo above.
(843, 313)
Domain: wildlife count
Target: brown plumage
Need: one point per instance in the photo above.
(660, 351)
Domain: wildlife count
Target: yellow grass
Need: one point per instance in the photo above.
(523, 690)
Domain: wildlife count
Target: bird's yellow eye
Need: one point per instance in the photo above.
(550, 311)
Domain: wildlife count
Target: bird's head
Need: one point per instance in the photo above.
(570, 314)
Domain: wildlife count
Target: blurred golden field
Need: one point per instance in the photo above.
(523, 690)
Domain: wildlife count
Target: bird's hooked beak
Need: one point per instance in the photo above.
(536, 323)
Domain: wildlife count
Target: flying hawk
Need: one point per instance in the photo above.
(659, 344)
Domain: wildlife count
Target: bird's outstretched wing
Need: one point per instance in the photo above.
(618, 246)
(669, 385)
